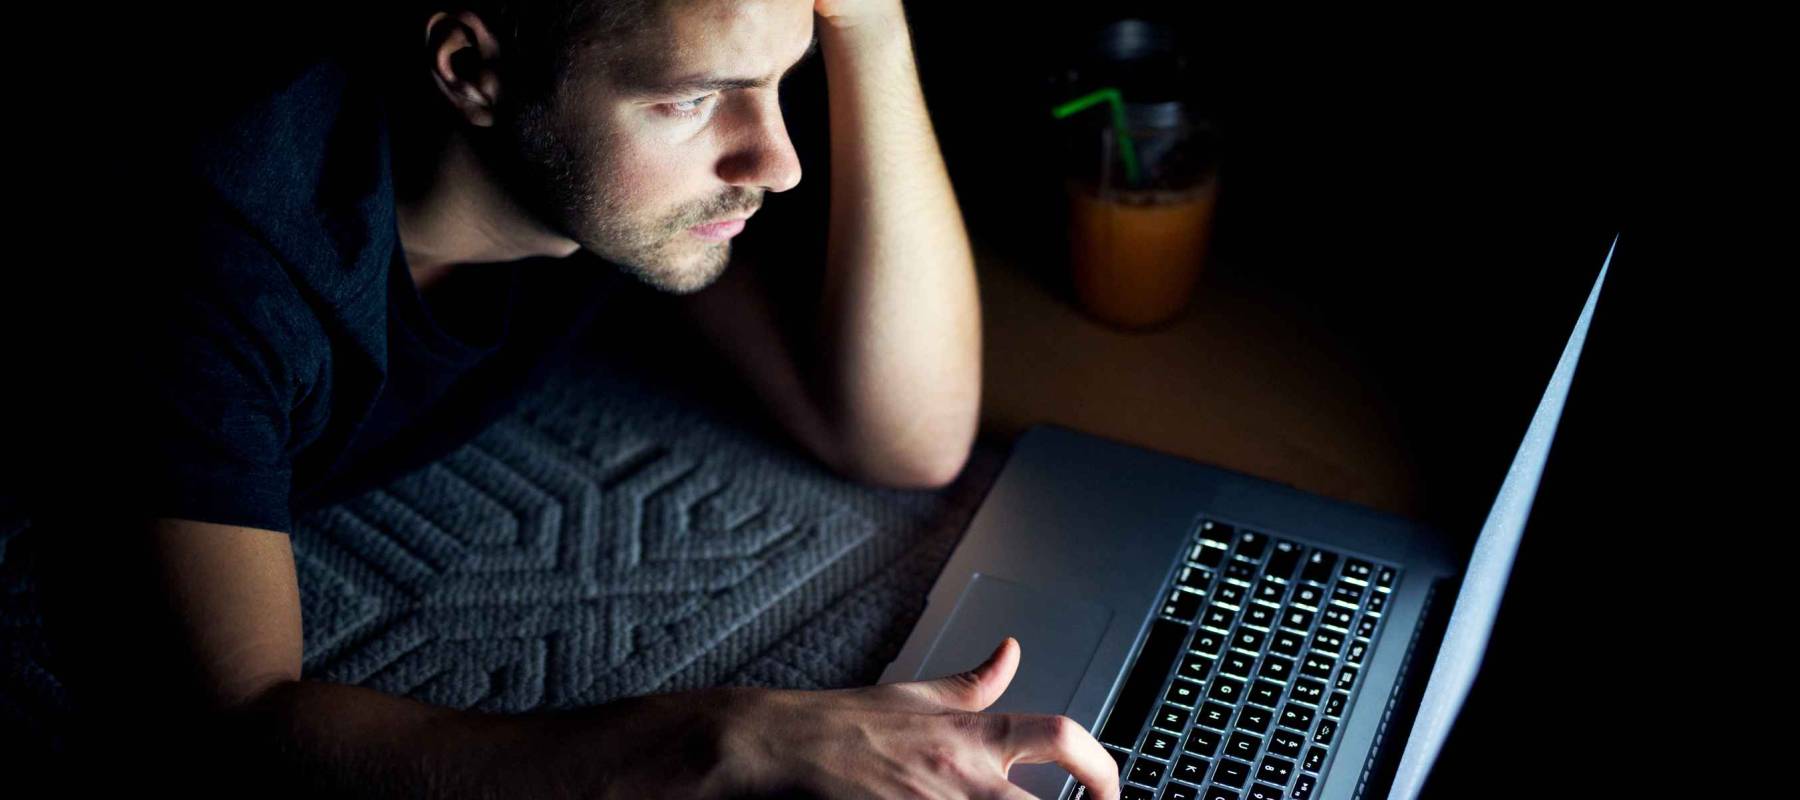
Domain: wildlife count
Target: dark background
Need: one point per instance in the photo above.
(1440, 190)
(1438, 186)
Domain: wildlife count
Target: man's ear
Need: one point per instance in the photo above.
(464, 54)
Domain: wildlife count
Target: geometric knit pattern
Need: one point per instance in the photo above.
(617, 534)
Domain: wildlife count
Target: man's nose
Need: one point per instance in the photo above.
(763, 156)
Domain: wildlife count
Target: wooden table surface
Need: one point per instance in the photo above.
(1245, 379)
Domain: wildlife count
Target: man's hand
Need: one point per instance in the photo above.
(850, 13)
(920, 739)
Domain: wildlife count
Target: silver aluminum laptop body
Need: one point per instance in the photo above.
(1077, 542)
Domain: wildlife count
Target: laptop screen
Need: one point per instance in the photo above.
(1478, 603)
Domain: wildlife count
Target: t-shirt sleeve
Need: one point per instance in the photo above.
(221, 366)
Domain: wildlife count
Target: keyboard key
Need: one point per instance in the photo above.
(1384, 577)
(1226, 690)
(1303, 787)
(1347, 593)
(1346, 679)
(1182, 605)
(1217, 532)
(1230, 594)
(1179, 791)
(1358, 569)
(1328, 642)
(1263, 791)
(1138, 697)
(1335, 707)
(1195, 667)
(1249, 639)
(1129, 792)
(1171, 718)
(1326, 732)
(1159, 745)
(1214, 715)
(1286, 744)
(1255, 720)
(1146, 772)
(1240, 570)
(1243, 745)
(1235, 663)
(1315, 760)
(1365, 629)
(1260, 615)
(1207, 642)
(1275, 769)
(1222, 793)
(1338, 617)
(1186, 693)
(1299, 718)
(1196, 578)
(1316, 665)
(1269, 591)
(1221, 617)
(1318, 567)
(1308, 596)
(1354, 655)
(1232, 773)
(1377, 603)
(1202, 743)
(1190, 769)
(1210, 557)
(1286, 643)
(1252, 545)
(1297, 618)
(1309, 691)
(1266, 693)
(1278, 668)
(1281, 563)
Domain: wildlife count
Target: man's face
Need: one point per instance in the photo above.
(626, 160)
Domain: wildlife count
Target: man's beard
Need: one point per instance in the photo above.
(554, 174)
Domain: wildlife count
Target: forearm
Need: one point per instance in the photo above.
(316, 739)
(901, 319)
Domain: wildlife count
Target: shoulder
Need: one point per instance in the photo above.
(224, 296)
(292, 203)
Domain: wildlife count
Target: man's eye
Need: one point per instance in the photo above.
(687, 108)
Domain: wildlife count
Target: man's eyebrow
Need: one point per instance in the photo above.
(695, 84)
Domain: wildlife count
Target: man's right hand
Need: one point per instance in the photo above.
(920, 739)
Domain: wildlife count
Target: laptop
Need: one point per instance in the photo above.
(1224, 636)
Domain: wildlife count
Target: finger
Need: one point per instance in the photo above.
(976, 689)
(1041, 738)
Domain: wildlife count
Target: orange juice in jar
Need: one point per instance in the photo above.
(1139, 228)
(1137, 255)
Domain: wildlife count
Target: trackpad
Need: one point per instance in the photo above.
(1057, 638)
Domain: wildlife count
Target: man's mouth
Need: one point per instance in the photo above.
(721, 230)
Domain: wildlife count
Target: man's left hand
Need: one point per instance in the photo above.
(857, 13)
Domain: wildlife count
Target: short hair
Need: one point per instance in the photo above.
(544, 41)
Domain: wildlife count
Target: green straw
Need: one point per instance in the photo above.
(1109, 95)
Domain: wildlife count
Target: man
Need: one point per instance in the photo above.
(316, 334)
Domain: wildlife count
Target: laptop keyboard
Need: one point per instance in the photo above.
(1251, 664)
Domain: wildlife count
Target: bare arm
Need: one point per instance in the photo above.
(224, 604)
(228, 595)
(901, 313)
(896, 394)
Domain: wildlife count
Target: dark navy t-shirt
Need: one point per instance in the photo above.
(286, 359)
